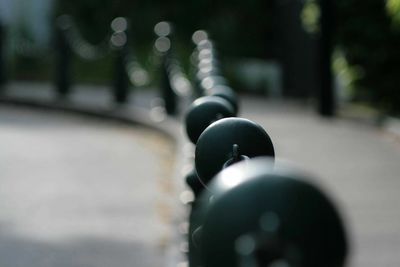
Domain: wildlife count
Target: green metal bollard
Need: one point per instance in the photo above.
(226, 93)
(222, 144)
(63, 57)
(193, 181)
(162, 45)
(215, 145)
(2, 57)
(204, 111)
(119, 42)
(257, 213)
(200, 115)
(167, 93)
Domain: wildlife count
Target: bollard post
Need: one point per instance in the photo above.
(264, 213)
(119, 41)
(120, 77)
(326, 97)
(201, 113)
(222, 144)
(63, 57)
(168, 94)
(162, 45)
(2, 57)
(214, 147)
(226, 93)
(204, 111)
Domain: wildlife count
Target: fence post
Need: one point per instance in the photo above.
(119, 41)
(167, 92)
(63, 57)
(223, 143)
(326, 97)
(163, 46)
(2, 56)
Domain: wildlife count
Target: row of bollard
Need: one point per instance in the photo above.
(68, 43)
(127, 71)
(173, 82)
(250, 210)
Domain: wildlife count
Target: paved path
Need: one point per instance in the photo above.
(359, 166)
(81, 192)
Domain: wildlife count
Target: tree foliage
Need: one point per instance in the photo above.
(371, 43)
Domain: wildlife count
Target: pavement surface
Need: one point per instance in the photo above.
(81, 192)
(357, 164)
(92, 212)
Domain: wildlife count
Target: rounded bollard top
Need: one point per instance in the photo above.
(204, 111)
(214, 146)
(210, 81)
(255, 212)
(193, 181)
(227, 93)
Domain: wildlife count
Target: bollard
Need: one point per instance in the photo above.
(210, 80)
(203, 112)
(193, 181)
(162, 45)
(216, 145)
(206, 65)
(222, 144)
(168, 94)
(226, 93)
(205, 72)
(119, 42)
(2, 56)
(63, 57)
(258, 214)
(326, 91)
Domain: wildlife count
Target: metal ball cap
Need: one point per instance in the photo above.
(255, 212)
(226, 93)
(203, 112)
(192, 180)
(215, 145)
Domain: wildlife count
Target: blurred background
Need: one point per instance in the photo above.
(266, 47)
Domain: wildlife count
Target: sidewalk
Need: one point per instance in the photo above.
(82, 192)
(358, 164)
(355, 162)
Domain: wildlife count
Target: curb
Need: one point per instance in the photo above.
(120, 113)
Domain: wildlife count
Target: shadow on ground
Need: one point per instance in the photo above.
(20, 252)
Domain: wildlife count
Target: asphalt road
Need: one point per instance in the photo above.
(81, 192)
(358, 165)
